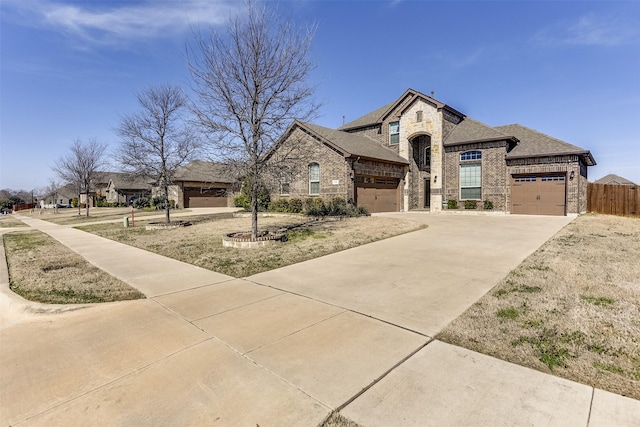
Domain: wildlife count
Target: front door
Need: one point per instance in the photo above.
(427, 192)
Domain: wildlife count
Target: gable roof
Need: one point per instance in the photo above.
(201, 171)
(470, 130)
(614, 179)
(352, 145)
(378, 116)
(535, 144)
(125, 181)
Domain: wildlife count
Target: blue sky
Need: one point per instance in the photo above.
(570, 69)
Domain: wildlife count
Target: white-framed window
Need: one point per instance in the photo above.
(394, 133)
(284, 183)
(471, 175)
(314, 179)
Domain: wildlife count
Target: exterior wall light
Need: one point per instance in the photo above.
(572, 174)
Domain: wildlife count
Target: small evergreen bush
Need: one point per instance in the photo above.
(488, 205)
(470, 204)
(452, 204)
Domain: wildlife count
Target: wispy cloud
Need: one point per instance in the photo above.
(119, 23)
(591, 30)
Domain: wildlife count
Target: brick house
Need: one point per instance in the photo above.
(417, 153)
(201, 184)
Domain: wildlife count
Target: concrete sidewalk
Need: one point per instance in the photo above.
(349, 331)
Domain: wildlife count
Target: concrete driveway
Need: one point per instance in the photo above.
(348, 331)
(420, 281)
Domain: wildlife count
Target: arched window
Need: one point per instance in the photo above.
(427, 157)
(471, 175)
(314, 179)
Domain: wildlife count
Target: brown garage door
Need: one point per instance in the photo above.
(377, 194)
(205, 198)
(538, 194)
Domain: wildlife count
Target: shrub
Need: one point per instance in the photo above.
(488, 205)
(335, 207)
(470, 204)
(315, 207)
(159, 203)
(142, 202)
(295, 205)
(74, 202)
(280, 205)
(452, 204)
(244, 199)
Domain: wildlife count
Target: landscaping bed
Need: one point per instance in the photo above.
(571, 309)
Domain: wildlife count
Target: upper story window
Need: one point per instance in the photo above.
(471, 155)
(394, 133)
(314, 179)
(419, 116)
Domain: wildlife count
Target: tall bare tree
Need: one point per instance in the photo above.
(251, 83)
(80, 167)
(52, 191)
(158, 139)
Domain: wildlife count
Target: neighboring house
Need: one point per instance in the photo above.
(203, 184)
(417, 153)
(124, 188)
(63, 198)
(613, 179)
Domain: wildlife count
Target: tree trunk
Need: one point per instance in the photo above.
(254, 209)
(167, 208)
(87, 203)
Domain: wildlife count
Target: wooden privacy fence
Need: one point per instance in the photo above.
(622, 200)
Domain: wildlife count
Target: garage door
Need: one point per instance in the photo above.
(377, 194)
(538, 194)
(205, 198)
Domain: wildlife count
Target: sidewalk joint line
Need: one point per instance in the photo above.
(381, 377)
(343, 308)
(593, 393)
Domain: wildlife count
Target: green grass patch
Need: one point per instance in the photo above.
(599, 301)
(511, 313)
(547, 348)
(609, 367)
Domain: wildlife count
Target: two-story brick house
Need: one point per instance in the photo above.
(418, 153)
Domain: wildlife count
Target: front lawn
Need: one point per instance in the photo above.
(571, 309)
(201, 243)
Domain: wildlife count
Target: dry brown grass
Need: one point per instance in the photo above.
(66, 216)
(572, 308)
(337, 420)
(44, 270)
(201, 243)
(7, 221)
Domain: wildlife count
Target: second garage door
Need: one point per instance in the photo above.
(538, 194)
(377, 194)
(205, 198)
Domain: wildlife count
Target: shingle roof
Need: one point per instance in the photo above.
(354, 145)
(378, 116)
(124, 181)
(470, 130)
(614, 179)
(535, 144)
(368, 119)
(201, 171)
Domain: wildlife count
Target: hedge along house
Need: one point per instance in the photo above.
(424, 153)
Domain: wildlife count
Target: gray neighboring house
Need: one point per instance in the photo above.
(417, 153)
(613, 179)
(124, 188)
(201, 184)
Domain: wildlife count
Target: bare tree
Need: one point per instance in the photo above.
(52, 191)
(250, 82)
(80, 167)
(158, 140)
